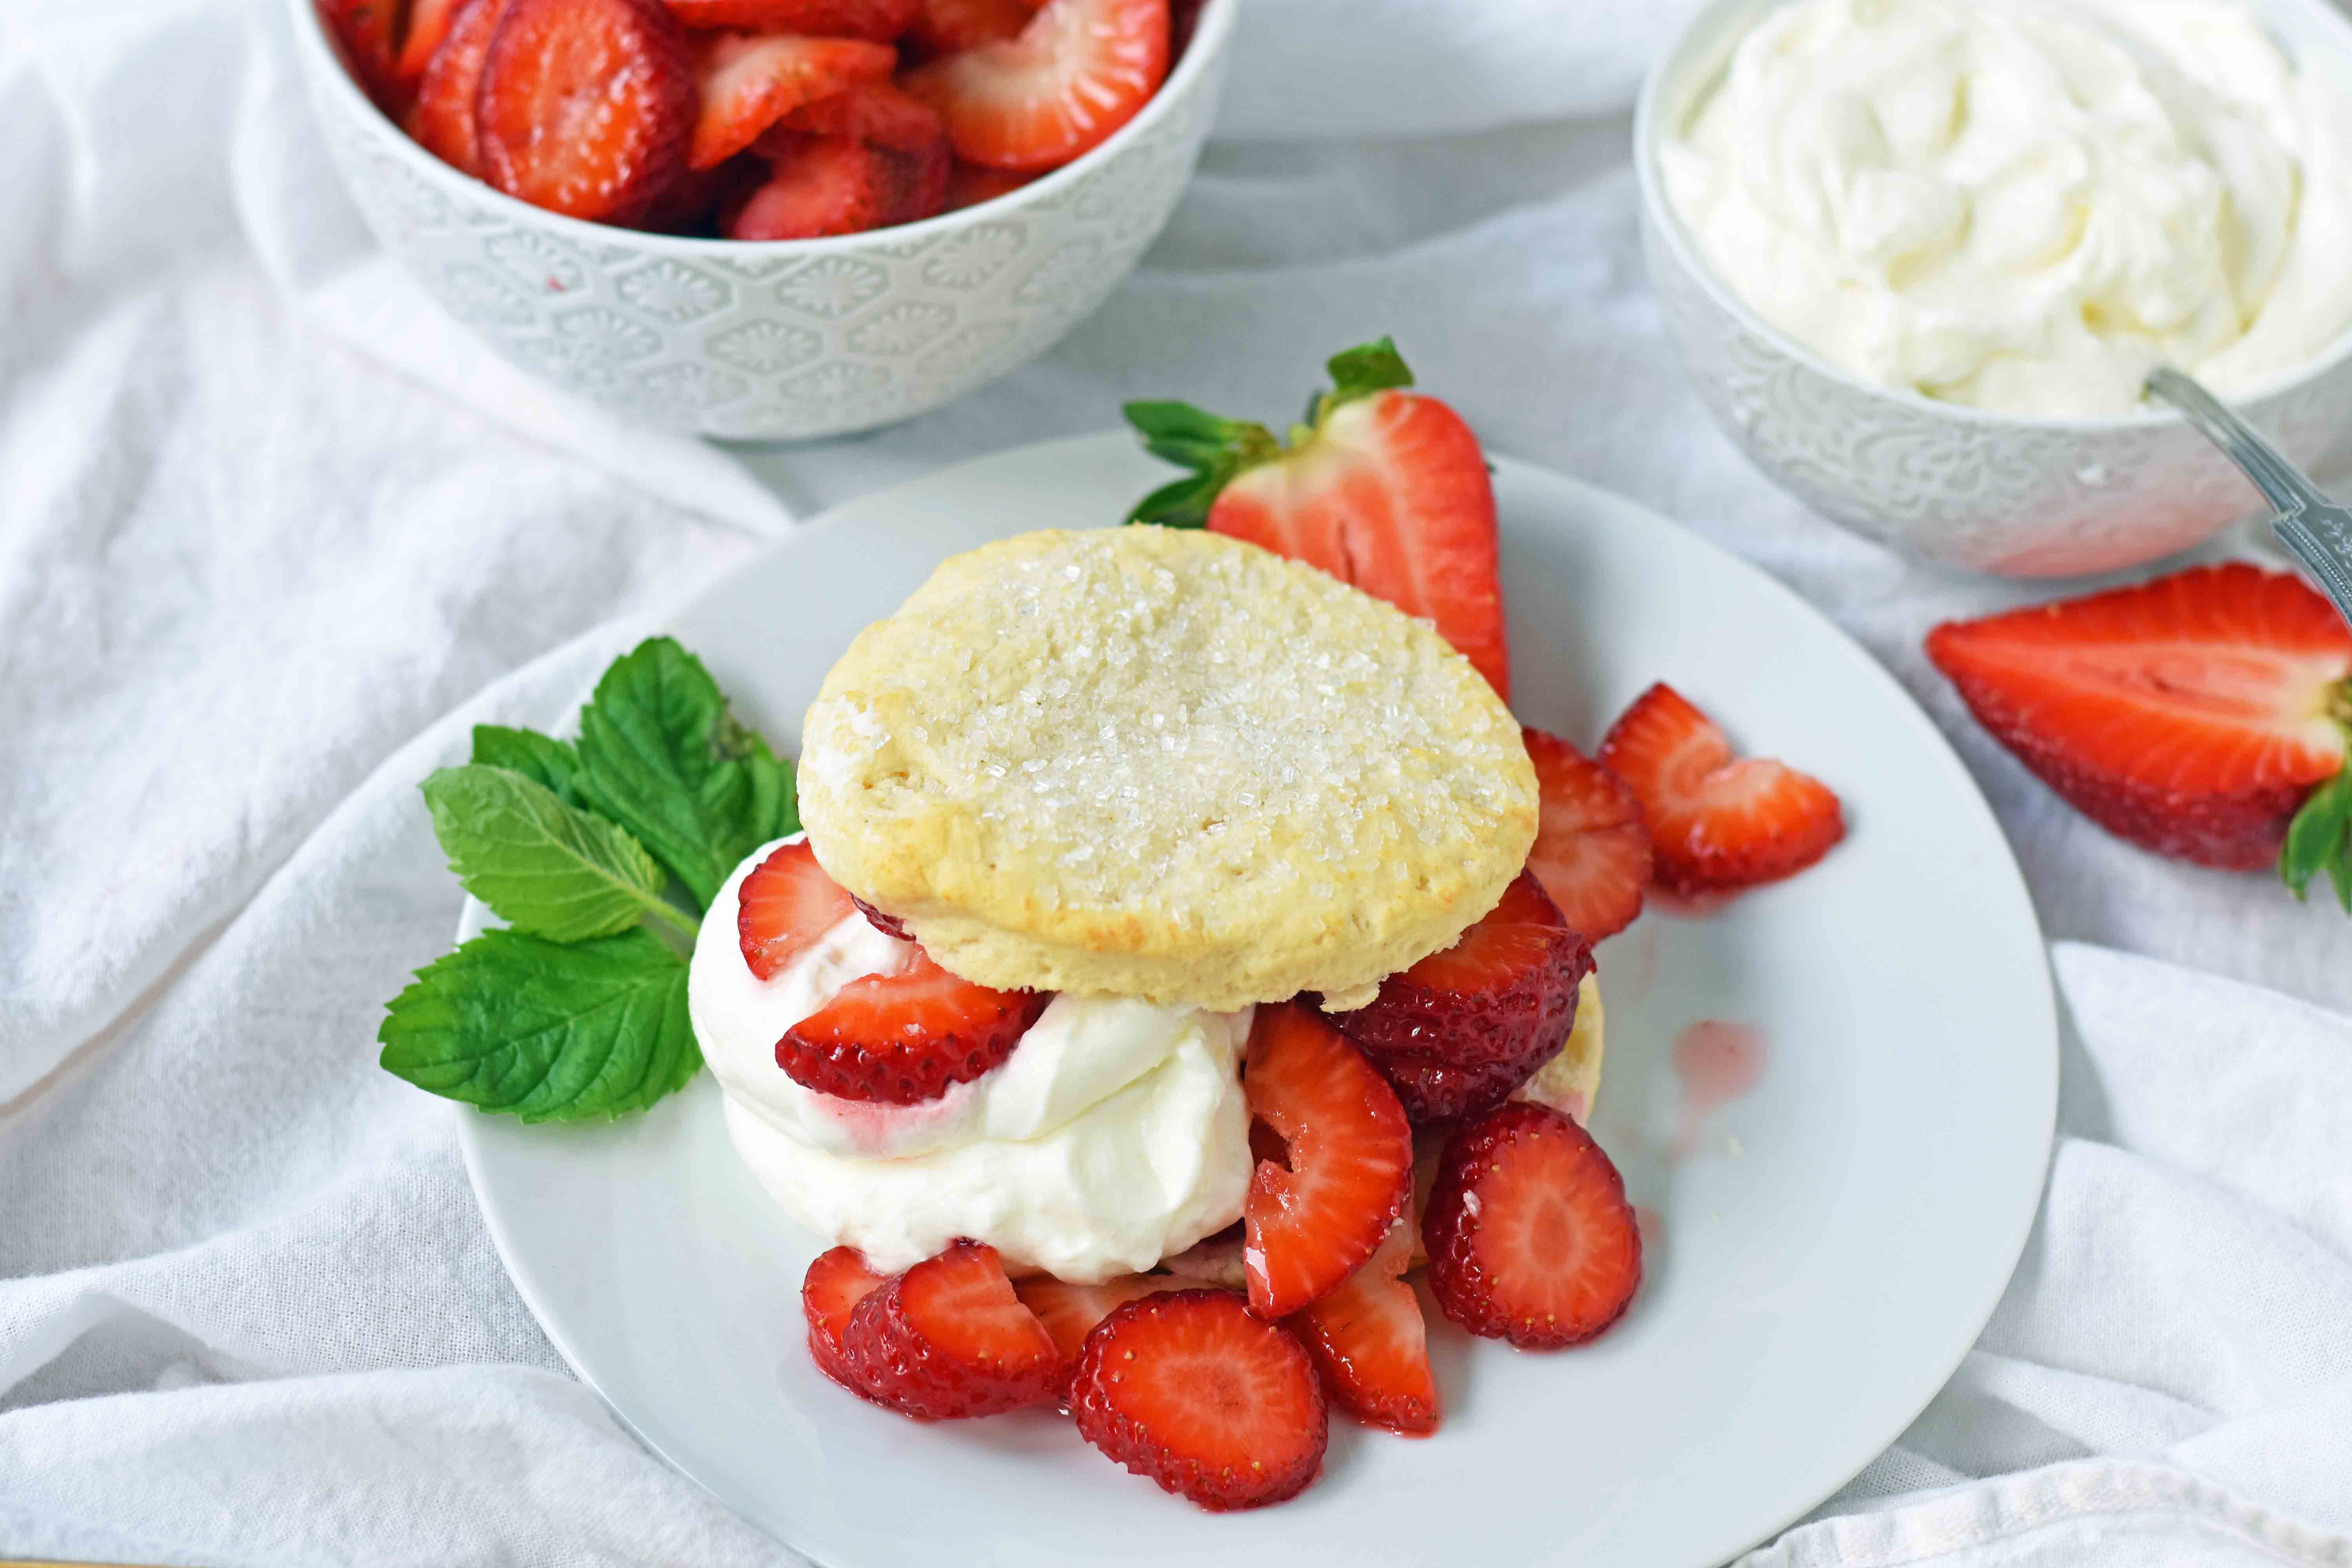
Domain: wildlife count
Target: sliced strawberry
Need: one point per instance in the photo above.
(1077, 72)
(1313, 1222)
(441, 118)
(816, 185)
(949, 1339)
(877, 20)
(785, 906)
(904, 1037)
(1071, 1311)
(586, 107)
(1458, 1031)
(690, 204)
(837, 1281)
(1383, 488)
(951, 26)
(969, 184)
(1592, 853)
(911, 173)
(749, 83)
(1529, 1236)
(1370, 1344)
(369, 31)
(889, 925)
(428, 23)
(2191, 714)
(1189, 1389)
(1716, 823)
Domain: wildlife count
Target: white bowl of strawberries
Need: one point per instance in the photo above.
(765, 219)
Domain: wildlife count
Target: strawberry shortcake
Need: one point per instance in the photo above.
(1157, 894)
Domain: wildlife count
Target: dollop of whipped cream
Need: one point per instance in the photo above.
(2026, 208)
(1114, 1135)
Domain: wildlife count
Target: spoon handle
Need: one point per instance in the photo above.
(2316, 529)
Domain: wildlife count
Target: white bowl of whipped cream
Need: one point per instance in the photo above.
(1920, 257)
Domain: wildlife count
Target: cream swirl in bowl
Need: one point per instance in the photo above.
(2025, 208)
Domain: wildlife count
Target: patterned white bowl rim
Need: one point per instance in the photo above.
(1207, 42)
(1667, 73)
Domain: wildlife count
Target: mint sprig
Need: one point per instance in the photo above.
(545, 1030)
(660, 754)
(577, 1010)
(542, 867)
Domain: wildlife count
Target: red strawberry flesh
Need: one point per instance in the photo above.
(1371, 1344)
(949, 1339)
(748, 83)
(837, 1281)
(586, 107)
(1311, 1222)
(906, 1037)
(1189, 1389)
(785, 908)
(1071, 1311)
(1076, 73)
(1718, 821)
(877, 20)
(1591, 852)
(1529, 1236)
(441, 118)
(2190, 715)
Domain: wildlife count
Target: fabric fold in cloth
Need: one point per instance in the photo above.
(274, 533)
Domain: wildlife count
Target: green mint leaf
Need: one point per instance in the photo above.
(543, 867)
(1361, 371)
(534, 756)
(2320, 839)
(660, 755)
(528, 1027)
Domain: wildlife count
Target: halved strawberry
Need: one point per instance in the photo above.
(908, 179)
(949, 1339)
(2192, 714)
(428, 23)
(785, 906)
(1717, 821)
(969, 184)
(951, 26)
(1382, 488)
(441, 118)
(1593, 852)
(1529, 1236)
(1458, 1031)
(586, 107)
(1188, 1388)
(835, 1282)
(1078, 72)
(1071, 1311)
(1370, 1344)
(904, 1037)
(879, 20)
(369, 31)
(1312, 1223)
(748, 83)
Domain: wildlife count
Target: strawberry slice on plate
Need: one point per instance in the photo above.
(877, 20)
(441, 117)
(835, 1282)
(586, 107)
(949, 1339)
(1071, 1311)
(2193, 715)
(1371, 1344)
(1077, 71)
(906, 1037)
(1313, 1221)
(785, 908)
(748, 83)
(1592, 851)
(1382, 488)
(1718, 821)
(1529, 1236)
(1458, 1031)
(1189, 1389)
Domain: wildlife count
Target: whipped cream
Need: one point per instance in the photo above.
(1115, 1133)
(2026, 208)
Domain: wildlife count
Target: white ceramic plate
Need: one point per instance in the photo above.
(1816, 1266)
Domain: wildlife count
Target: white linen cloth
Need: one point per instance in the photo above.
(273, 535)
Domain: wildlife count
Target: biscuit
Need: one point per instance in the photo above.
(1164, 763)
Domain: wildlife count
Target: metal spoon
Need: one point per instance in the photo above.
(2314, 529)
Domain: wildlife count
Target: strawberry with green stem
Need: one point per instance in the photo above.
(1383, 487)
